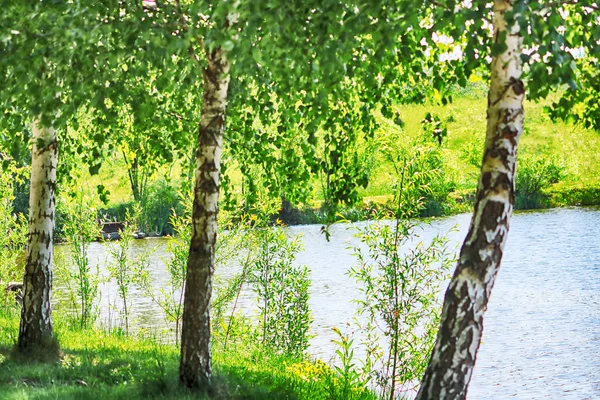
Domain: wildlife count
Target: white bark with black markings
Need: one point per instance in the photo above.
(195, 368)
(455, 351)
(35, 332)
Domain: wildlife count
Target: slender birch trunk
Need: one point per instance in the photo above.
(195, 367)
(453, 357)
(35, 333)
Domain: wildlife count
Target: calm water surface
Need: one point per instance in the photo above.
(542, 327)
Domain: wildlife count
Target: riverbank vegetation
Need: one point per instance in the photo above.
(554, 171)
(235, 116)
(259, 355)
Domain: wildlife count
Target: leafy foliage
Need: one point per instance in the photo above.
(79, 279)
(535, 173)
(14, 239)
(400, 286)
(266, 257)
(401, 291)
(124, 268)
(159, 203)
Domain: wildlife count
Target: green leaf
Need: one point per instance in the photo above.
(93, 169)
(227, 45)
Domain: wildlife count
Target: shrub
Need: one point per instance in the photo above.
(13, 238)
(79, 280)
(400, 301)
(124, 268)
(282, 291)
(281, 288)
(535, 173)
(581, 195)
(160, 201)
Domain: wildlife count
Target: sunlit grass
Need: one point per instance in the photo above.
(100, 365)
(577, 148)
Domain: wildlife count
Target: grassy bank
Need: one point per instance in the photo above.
(572, 152)
(101, 365)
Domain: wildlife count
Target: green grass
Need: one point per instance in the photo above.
(576, 148)
(100, 365)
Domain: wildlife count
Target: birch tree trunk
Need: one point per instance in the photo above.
(195, 367)
(35, 333)
(453, 357)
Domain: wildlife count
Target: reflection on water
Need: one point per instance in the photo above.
(542, 328)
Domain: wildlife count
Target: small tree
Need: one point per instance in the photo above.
(124, 268)
(282, 289)
(81, 282)
(170, 298)
(400, 286)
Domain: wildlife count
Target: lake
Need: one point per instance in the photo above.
(542, 327)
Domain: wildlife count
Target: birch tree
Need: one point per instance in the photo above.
(35, 332)
(31, 93)
(540, 29)
(303, 55)
(455, 351)
(195, 364)
(51, 64)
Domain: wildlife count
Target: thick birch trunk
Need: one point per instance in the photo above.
(195, 365)
(35, 333)
(453, 357)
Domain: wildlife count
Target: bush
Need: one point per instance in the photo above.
(535, 173)
(581, 195)
(79, 281)
(159, 203)
(117, 212)
(13, 238)
(266, 255)
(282, 292)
